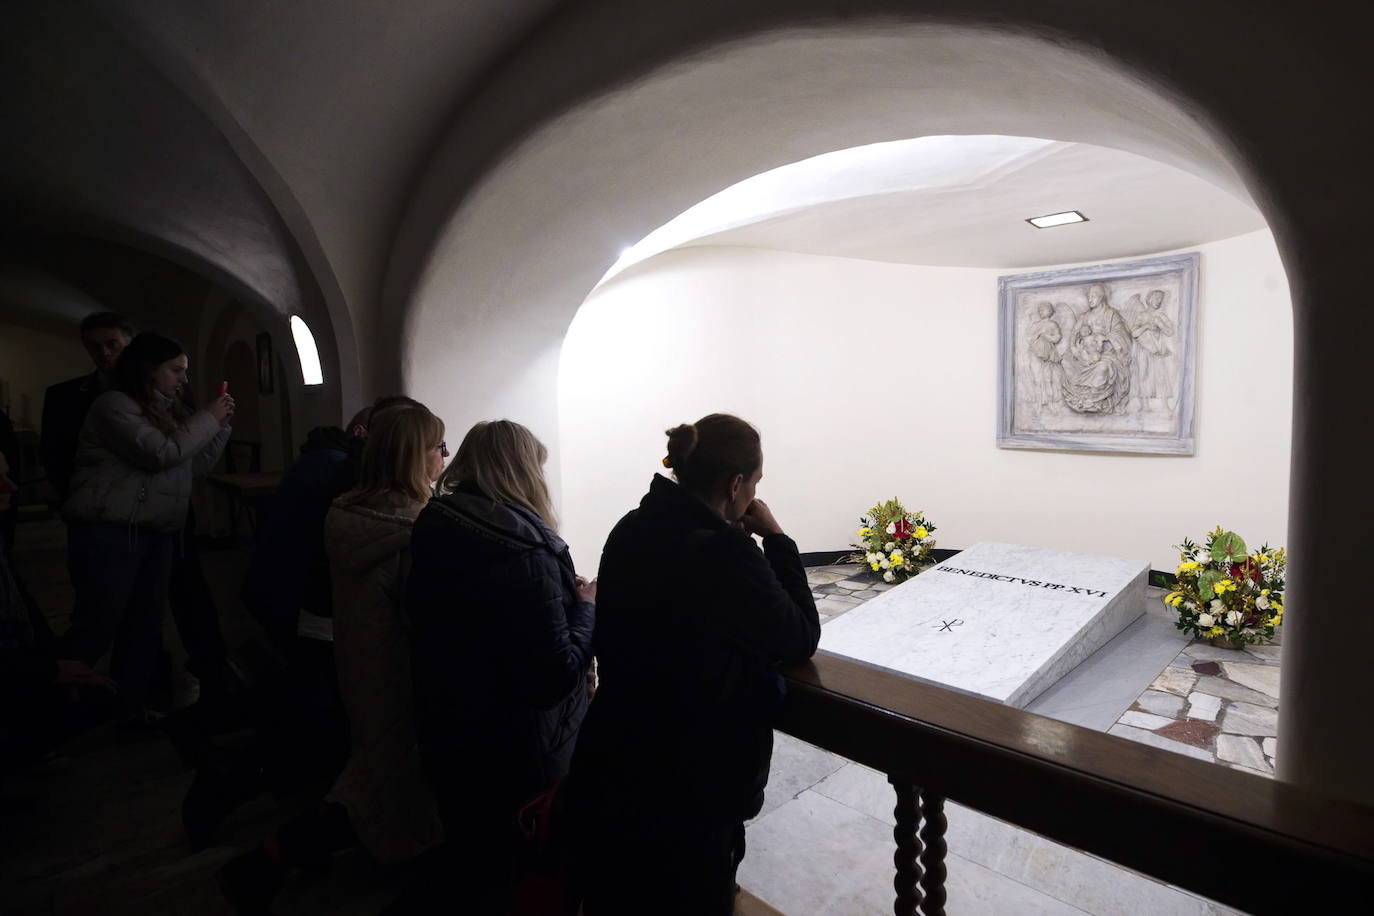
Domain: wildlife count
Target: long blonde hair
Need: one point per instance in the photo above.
(396, 458)
(506, 462)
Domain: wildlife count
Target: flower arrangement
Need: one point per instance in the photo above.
(894, 541)
(1227, 594)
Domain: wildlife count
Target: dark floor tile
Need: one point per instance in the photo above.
(1191, 731)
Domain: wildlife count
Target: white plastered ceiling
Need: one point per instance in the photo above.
(961, 201)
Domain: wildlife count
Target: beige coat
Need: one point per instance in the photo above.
(130, 472)
(383, 786)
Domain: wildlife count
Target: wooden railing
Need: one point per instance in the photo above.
(1256, 844)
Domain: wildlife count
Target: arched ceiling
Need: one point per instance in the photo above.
(100, 143)
(334, 105)
(269, 146)
(960, 201)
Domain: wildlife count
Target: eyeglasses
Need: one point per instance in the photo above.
(443, 448)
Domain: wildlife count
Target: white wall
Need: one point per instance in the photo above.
(31, 359)
(804, 346)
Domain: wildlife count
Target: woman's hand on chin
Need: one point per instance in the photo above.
(758, 519)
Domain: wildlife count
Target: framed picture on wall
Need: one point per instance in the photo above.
(265, 378)
(1099, 358)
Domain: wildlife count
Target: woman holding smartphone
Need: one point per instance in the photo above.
(138, 451)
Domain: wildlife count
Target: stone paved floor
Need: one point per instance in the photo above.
(1219, 705)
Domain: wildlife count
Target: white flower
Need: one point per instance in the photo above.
(873, 557)
(889, 577)
(1217, 606)
(1262, 603)
(884, 564)
(1205, 620)
(890, 545)
(1234, 618)
(891, 527)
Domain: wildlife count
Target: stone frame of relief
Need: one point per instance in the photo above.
(1100, 358)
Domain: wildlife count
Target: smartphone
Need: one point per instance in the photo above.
(223, 388)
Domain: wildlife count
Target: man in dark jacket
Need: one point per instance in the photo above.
(287, 586)
(104, 335)
(692, 623)
(288, 577)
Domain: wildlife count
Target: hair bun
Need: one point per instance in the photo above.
(682, 441)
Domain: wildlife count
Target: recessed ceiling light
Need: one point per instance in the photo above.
(1057, 219)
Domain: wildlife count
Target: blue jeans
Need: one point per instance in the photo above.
(120, 574)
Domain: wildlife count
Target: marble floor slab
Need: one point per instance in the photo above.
(1037, 612)
(817, 856)
(1000, 868)
(1097, 692)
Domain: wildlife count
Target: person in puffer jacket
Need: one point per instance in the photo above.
(138, 450)
(503, 630)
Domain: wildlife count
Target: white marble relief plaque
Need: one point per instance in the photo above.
(1002, 621)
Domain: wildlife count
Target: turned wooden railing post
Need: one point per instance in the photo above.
(907, 858)
(933, 850)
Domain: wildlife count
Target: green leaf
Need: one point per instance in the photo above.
(1206, 583)
(1228, 547)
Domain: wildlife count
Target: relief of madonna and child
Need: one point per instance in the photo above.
(1106, 357)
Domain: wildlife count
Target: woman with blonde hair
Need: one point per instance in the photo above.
(382, 796)
(504, 627)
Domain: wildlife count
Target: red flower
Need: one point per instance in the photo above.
(1248, 569)
(903, 529)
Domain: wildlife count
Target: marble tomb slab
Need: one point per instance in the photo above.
(1001, 621)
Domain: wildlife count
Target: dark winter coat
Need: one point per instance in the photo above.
(65, 406)
(289, 571)
(502, 647)
(693, 620)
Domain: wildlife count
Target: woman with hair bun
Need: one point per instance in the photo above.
(138, 450)
(693, 622)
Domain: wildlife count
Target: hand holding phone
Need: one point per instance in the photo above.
(223, 407)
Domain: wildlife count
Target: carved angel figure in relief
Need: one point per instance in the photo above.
(1042, 339)
(1151, 331)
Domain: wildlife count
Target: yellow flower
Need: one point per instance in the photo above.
(1216, 631)
(1264, 591)
(865, 532)
(873, 566)
(1224, 586)
(1174, 599)
(921, 533)
(897, 559)
(1275, 620)
(1185, 568)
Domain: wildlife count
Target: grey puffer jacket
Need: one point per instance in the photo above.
(130, 472)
